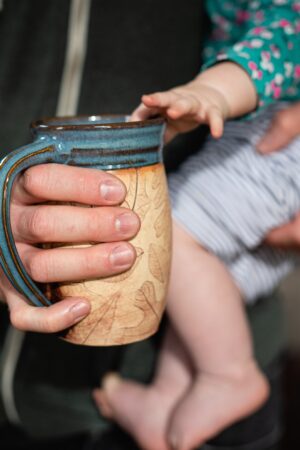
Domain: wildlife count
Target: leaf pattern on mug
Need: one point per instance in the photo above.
(123, 276)
(160, 196)
(155, 262)
(145, 298)
(104, 315)
(130, 180)
(134, 311)
(143, 202)
(155, 180)
(145, 301)
(161, 221)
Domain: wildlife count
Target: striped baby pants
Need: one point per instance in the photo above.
(228, 196)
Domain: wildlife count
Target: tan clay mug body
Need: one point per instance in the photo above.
(127, 307)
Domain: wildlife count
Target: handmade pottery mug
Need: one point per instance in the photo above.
(126, 307)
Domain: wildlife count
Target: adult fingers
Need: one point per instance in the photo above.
(49, 319)
(57, 182)
(63, 223)
(73, 264)
(283, 129)
(287, 236)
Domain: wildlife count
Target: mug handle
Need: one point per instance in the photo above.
(10, 166)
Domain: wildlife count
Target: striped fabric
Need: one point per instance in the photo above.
(228, 196)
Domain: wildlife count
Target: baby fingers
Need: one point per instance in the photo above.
(215, 121)
(184, 106)
(162, 100)
(142, 112)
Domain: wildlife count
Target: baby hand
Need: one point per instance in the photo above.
(185, 108)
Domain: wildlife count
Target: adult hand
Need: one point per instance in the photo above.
(35, 222)
(287, 236)
(284, 128)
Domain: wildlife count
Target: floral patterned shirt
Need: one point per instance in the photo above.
(263, 37)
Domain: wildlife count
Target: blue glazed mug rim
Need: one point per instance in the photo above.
(92, 122)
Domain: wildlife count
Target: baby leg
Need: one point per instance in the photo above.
(206, 310)
(144, 411)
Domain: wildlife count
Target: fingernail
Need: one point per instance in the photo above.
(80, 310)
(126, 223)
(112, 190)
(173, 442)
(121, 256)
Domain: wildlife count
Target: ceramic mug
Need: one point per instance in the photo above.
(125, 307)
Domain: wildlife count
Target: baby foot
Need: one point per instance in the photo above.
(142, 411)
(213, 403)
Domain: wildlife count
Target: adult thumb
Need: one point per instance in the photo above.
(283, 129)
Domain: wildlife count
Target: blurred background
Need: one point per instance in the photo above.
(290, 293)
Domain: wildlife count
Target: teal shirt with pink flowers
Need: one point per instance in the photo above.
(263, 37)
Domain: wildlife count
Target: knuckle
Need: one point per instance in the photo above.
(33, 178)
(89, 262)
(83, 183)
(39, 268)
(96, 261)
(177, 94)
(284, 121)
(86, 184)
(48, 324)
(94, 225)
(193, 97)
(29, 180)
(16, 319)
(39, 225)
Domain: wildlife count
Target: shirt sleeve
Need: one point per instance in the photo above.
(269, 50)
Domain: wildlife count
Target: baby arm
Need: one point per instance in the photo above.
(221, 92)
(256, 71)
